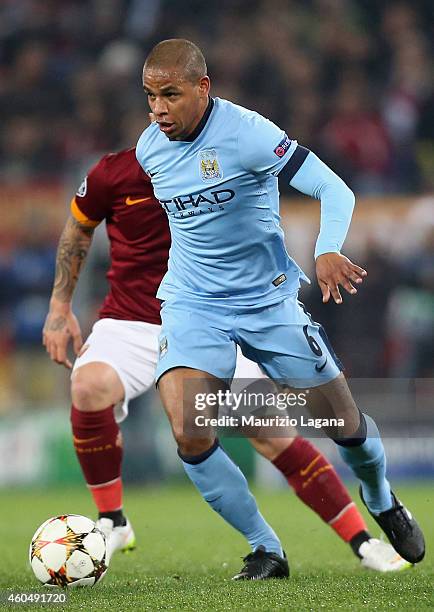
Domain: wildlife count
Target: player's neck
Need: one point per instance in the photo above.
(201, 123)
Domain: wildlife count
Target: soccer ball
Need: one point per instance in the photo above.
(68, 550)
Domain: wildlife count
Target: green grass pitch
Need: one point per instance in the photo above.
(186, 556)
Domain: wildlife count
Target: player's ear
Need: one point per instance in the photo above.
(204, 85)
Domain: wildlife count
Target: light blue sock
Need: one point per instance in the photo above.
(368, 462)
(222, 484)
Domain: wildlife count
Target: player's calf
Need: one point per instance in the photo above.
(364, 454)
(217, 478)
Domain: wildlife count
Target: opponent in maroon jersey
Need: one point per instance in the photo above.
(118, 359)
(118, 190)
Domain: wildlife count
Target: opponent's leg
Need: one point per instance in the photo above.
(217, 478)
(95, 389)
(317, 484)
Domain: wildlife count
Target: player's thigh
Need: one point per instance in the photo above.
(187, 394)
(258, 390)
(130, 348)
(289, 345)
(196, 337)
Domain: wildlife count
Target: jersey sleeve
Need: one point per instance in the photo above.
(140, 149)
(90, 205)
(316, 179)
(264, 148)
(143, 148)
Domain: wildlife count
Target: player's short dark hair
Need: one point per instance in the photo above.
(178, 54)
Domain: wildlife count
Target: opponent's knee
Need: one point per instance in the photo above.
(89, 393)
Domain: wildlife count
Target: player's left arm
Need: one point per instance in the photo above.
(265, 149)
(313, 177)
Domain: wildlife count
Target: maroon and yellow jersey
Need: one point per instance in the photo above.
(118, 191)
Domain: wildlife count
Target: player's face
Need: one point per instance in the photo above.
(177, 104)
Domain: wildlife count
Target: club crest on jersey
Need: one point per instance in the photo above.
(81, 191)
(210, 169)
(283, 146)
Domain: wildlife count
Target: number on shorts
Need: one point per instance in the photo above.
(313, 344)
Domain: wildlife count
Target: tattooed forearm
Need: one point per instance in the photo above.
(73, 246)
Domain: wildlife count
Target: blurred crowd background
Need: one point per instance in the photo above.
(351, 79)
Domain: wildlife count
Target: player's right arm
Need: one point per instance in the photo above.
(88, 208)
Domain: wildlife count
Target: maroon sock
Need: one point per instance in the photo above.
(313, 479)
(98, 444)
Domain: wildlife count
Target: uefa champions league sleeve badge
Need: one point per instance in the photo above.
(82, 190)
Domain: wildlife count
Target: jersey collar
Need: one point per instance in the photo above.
(198, 129)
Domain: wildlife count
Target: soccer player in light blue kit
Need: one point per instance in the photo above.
(215, 167)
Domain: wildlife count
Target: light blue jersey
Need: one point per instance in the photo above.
(220, 191)
(230, 280)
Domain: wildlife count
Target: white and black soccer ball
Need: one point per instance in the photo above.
(68, 550)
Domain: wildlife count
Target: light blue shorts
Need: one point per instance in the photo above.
(282, 339)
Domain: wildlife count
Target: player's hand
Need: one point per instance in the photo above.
(60, 326)
(334, 269)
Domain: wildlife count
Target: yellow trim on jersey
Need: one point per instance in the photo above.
(81, 217)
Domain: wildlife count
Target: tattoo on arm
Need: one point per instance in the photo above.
(56, 324)
(72, 250)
